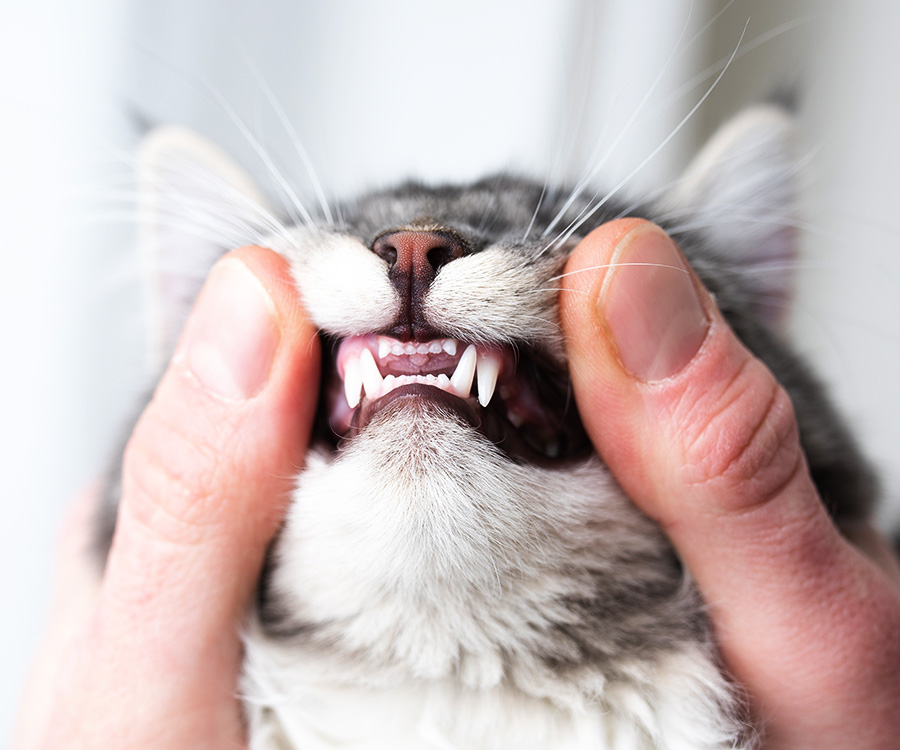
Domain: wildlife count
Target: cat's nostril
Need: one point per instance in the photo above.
(389, 255)
(441, 256)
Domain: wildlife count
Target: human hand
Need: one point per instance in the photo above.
(704, 440)
(150, 655)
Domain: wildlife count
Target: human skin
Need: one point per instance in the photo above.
(693, 427)
(704, 440)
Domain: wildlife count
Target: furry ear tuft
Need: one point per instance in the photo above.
(740, 193)
(194, 204)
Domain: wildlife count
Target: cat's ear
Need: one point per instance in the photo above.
(194, 204)
(740, 193)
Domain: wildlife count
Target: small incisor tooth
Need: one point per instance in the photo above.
(488, 370)
(461, 380)
(371, 377)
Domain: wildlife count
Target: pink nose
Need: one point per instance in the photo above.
(413, 259)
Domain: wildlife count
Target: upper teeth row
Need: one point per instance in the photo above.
(388, 346)
(363, 373)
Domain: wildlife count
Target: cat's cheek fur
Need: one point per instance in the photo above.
(324, 261)
(477, 297)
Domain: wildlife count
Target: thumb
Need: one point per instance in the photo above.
(206, 477)
(701, 436)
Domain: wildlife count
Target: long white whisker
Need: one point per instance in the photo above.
(263, 155)
(616, 265)
(295, 140)
(573, 227)
(586, 180)
(205, 86)
(537, 209)
(751, 45)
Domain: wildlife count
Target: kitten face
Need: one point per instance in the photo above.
(437, 296)
(452, 524)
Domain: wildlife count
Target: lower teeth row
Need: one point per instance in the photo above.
(395, 381)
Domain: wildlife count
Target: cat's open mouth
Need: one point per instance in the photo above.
(500, 392)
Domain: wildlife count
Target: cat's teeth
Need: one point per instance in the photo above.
(384, 347)
(461, 380)
(488, 369)
(371, 377)
(434, 347)
(449, 346)
(352, 382)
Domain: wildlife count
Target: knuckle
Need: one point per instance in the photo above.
(746, 445)
(170, 478)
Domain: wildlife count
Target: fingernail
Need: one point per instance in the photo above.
(650, 306)
(231, 336)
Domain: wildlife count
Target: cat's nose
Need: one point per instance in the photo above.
(414, 258)
(417, 256)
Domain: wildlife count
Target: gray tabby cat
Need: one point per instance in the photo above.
(458, 569)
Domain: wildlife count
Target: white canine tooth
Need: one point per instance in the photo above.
(461, 380)
(371, 377)
(384, 348)
(352, 382)
(488, 370)
(449, 346)
(434, 347)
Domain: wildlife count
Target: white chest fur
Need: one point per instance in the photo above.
(675, 704)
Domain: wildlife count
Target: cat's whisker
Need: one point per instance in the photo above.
(296, 142)
(751, 44)
(603, 266)
(294, 205)
(537, 209)
(247, 212)
(588, 178)
(586, 214)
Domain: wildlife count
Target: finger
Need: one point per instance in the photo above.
(74, 596)
(206, 477)
(704, 440)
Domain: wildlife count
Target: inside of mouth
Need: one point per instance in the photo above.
(522, 406)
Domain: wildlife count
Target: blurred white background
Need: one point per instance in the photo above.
(378, 92)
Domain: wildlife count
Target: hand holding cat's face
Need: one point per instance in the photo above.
(706, 442)
(227, 428)
(151, 657)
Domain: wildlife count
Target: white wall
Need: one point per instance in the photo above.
(483, 86)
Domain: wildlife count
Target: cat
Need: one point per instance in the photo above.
(458, 569)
